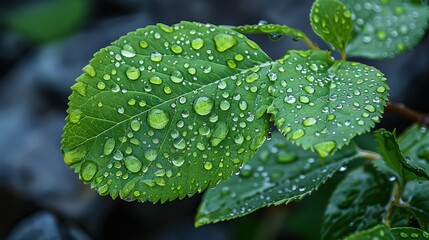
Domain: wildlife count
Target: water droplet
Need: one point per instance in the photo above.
(143, 44)
(238, 139)
(304, 99)
(151, 154)
(88, 170)
(197, 43)
(224, 42)
(88, 69)
(204, 130)
(179, 161)
(132, 164)
(75, 155)
(157, 118)
(135, 125)
(176, 76)
(101, 85)
(246, 171)
(309, 122)
(167, 90)
(176, 49)
(381, 35)
(252, 77)
(298, 134)
(203, 105)
(75, 115)
(309, 89)
(225, 105)
(128, 51)
(80, 88)
(208, 166)
(156, 57)
(369, 108)
(219, 134)
(381, 89)
(132, 73)
(109, 145)
(238, 57)
(179, 143)
(286, 157)
(325, 148)
(242, 105)
(289, 99)
(155, 80)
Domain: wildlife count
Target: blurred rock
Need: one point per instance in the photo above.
(45, 226)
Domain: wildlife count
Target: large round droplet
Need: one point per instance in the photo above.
(109, 145)
(135, 125)
(224, 105)
(151, 154)
(132, 73)
(176, 49)
(88, 170)
(178, 161)
(325, 148)
(208, 166)
(132, 164)
(203, 105)
(155, 80)
(179, 143)
(157, 118)
(197, 43)
(176, 76)
(156, 57)
(128, 51)
(219, 134)
(224, 42)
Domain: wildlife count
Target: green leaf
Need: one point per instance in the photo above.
(384, 29)
(270, 29)
(322, 104)
(409, 233)
(46, 20)
(279, 173)
(416, 196)
(379, 232)
(358, 203)
(165, 112)
(414, 144)
(331, 20)
(389, 149)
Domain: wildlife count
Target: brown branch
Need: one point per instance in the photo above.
(411, 114)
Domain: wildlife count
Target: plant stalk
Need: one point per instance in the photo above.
(410, 114)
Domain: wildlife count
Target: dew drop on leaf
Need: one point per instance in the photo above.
(157, 119)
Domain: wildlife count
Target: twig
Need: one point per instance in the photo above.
(310, 43)
(411, 114)
(343, 55)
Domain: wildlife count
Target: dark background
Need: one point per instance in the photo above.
(43, 46)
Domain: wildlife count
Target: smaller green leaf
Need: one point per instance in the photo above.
(416, 195)
(384, 29)
(409, 233)
(379, 232)
(358, 203)
(279, 173)
(322, 104)
(389, 149)
(414, 144)
(270, 29)
(331, 20)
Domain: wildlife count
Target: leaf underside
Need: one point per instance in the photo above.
(384, 29)
(358, 203)
(279, 173)
(165, 112)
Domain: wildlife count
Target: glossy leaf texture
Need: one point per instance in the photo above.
(322, 104)
(331, 20)
(414, 145)
(384, 29)
(404, 169)
(275, 30)
(416, 196)
(357, 203)
(279, 173)
(382, 232)
(165, 112)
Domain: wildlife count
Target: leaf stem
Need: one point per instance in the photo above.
(401, 109)
(369, 154)
(395, 201)
(310, 43)
(343, 55)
